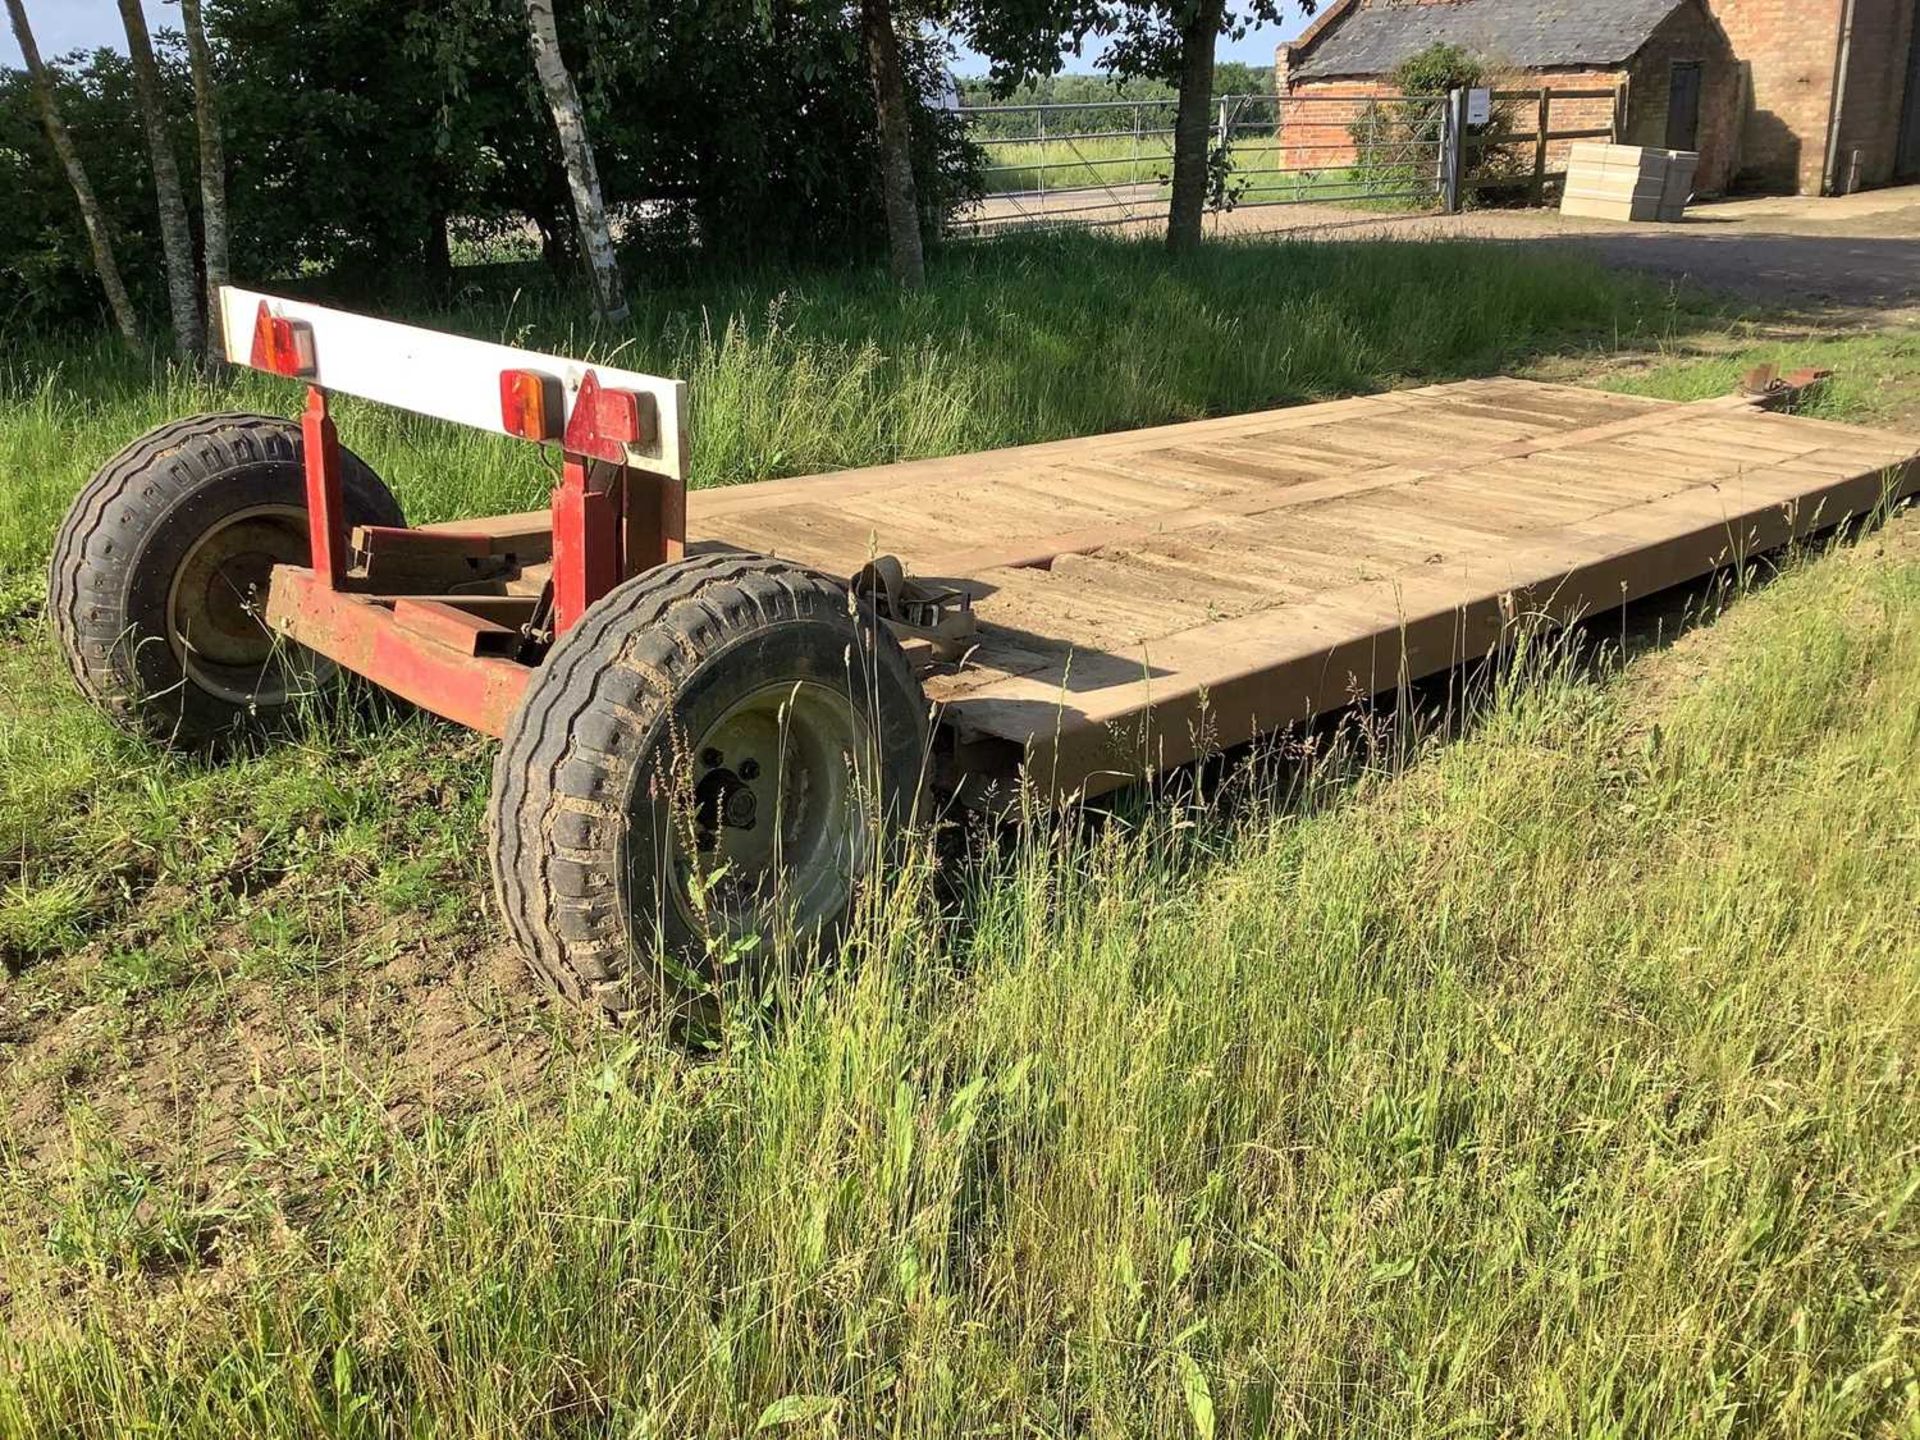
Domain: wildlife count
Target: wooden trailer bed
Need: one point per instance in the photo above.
(1284, 563)
(1145, 596)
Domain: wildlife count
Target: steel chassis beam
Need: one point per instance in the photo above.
(442, 650)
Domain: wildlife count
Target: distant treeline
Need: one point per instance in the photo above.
(365, 137)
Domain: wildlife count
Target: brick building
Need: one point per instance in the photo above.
(1783, 95)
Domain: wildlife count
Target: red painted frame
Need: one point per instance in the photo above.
(610, 522)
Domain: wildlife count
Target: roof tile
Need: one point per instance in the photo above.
(1373, 38)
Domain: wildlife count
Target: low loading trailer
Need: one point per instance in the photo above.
(715, 706)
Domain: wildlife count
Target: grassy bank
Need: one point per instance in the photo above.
(1875, 380)
(1554, 1078)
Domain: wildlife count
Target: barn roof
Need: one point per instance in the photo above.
(1370, 39)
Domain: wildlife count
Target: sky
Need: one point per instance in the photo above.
(63, 25)
(1255, 48)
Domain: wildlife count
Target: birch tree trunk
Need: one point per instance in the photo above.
(1193, 125)
(104, 264)
(576, 153)
(882, 44)
(176, 235)
(213, 165)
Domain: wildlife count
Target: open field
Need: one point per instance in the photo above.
(1105, 160)
(1537, 1059)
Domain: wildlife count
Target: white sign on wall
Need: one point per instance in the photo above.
(1479, 106)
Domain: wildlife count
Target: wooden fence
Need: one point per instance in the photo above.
(1582, 111)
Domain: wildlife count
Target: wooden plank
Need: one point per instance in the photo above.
(1266, 669)
(912, 474)
(1249, 464)
(1257, 502)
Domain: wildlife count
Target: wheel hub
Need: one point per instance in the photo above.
(214, 611)
(722, 798)
(777, 814)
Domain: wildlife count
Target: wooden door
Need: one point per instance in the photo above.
(1683, 106)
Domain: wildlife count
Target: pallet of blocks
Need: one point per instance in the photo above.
(1627, 182)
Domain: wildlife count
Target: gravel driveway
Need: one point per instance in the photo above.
(1850, 253)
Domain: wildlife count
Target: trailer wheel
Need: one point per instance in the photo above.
(160, 570)
(711, 758)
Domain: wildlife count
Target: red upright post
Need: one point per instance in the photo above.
(326, 507)
(586, 542)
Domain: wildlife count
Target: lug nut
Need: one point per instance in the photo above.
(711, 758)
(749, 769)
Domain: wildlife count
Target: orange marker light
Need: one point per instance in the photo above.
(282, 346)
(529, 404)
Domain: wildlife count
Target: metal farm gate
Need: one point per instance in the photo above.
(1306, 160)
(1101, 163)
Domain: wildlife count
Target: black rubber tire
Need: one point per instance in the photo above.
(129, 531)
(577, 785)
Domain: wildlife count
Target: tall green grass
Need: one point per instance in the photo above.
(1560, 1082)
(1553, 1080)
(1021, 340)
(1875, 376)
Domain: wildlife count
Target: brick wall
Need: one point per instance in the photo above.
(1316, 128)
(1787, 47)
(1688, 35)
(1591, 113)
(1876, 86)
(1766, 92)
(1317, 118)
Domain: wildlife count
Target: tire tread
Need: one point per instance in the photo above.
(585, 722)
(127, 499)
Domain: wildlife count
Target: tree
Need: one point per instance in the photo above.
(90, 212)
(881, 44)
(176, 235)
(1175, 40)
(1198, 28)
(350, 139)
(1021, 39)
(359, 136)
(213, 162)
(583, 177)
(1024, 41)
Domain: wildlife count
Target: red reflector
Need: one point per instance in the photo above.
(281, 346)
(619, 416)
(605, 422)
(529, 404)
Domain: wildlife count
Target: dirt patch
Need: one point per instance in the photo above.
(411, 1025)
